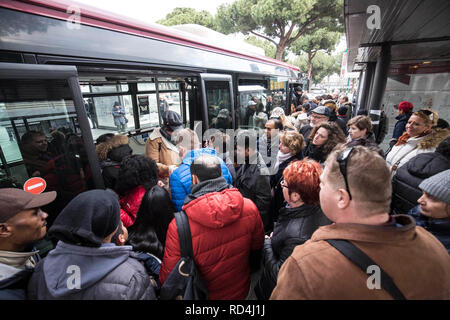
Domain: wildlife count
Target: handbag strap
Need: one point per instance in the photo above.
(363, 261)
(184, 233)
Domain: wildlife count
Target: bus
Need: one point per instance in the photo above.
(64, 66)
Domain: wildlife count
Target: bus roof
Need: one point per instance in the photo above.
(95, 17)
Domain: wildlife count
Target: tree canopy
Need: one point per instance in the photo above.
(323, 65)
(321, 39)
(280, 22)
(189, 16)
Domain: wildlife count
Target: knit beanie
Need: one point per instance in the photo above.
(438, 186)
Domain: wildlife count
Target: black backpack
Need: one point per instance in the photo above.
(184, 281)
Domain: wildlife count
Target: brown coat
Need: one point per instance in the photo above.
(416, 261)
(162, 151)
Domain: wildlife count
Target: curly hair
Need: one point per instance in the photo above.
(136, 170)
(303, 177)
(335, 136)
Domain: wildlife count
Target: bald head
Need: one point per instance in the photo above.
(206, 167)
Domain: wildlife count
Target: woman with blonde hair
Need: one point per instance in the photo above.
(291, 148)
(419, 137)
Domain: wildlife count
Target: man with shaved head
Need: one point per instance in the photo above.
(226, 230)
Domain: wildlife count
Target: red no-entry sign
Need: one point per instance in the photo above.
(35, 185)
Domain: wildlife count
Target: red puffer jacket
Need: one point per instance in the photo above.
(129, 205)
(225, 226)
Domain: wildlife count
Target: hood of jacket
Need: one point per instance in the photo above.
(191, 155)
(215, 209)
(427, 164)
(105, 147)
(69, 269)
(117, 154)
(433, 139)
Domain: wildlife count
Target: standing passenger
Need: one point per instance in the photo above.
(355, 193)
(189, 148)
(137, 175)
(252, 177)
(225, 229)
(159, 146)
(85, 265)
(120, 121)
(296, 222)
(22, 223)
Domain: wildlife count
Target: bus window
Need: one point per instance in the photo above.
(114, 114)
(148, 110)
(40, 137)
(218, 104)
(252, 108)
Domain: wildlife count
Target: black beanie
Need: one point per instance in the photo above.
(88, 219)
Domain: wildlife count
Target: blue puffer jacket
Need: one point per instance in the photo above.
(180, 180)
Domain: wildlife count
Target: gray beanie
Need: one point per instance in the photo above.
(438, 186)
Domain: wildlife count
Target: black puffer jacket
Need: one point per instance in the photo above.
(405, 183)
(253, 182)
(294, 227)
(275, 182)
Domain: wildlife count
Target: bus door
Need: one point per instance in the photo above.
(218, 102)
(44, 132)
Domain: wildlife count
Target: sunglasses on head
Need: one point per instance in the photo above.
(342, 160)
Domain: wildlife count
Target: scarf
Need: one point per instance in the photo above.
(207, 186)
(281, 157)
(405, 137)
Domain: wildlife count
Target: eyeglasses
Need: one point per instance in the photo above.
(342, 160)
(283, 184)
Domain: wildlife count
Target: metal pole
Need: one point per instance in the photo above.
(379, 85)
(365, 89)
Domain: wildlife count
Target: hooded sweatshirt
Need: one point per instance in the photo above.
(15, 271)
(82, 266)
(225, 227)
(88, 273)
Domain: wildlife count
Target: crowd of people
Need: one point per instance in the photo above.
(269, 214)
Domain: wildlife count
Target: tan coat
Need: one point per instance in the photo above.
(161, 150)
(416, 261)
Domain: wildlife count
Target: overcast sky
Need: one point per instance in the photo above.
(153, 10)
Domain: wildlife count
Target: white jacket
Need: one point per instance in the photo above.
(399, 155)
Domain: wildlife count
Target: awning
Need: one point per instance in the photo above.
(417, 30)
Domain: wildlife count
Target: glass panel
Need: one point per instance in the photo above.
(146, 86)
(253, 108)
(110, 117)
(105, 88)
(168, 85)
(219, 104)
(39, 136)
(148, 110)
(85, 89)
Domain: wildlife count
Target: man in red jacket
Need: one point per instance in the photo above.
(225, 227)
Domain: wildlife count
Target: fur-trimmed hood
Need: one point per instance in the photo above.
(105, 147)
(433, 139)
